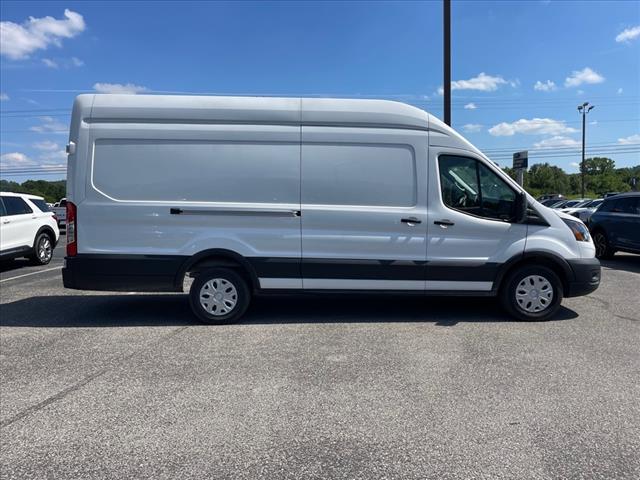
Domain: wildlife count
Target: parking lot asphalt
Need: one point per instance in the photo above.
(105, 385)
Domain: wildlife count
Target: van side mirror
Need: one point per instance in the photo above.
(521, 207)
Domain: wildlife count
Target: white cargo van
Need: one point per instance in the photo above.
(257, 195)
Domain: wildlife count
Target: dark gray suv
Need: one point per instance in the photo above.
(615, 225)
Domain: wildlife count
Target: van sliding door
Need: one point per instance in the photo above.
(363, 208)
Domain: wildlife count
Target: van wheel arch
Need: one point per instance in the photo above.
(557, 264)
(217, 258)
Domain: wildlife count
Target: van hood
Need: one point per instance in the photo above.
(564, 215)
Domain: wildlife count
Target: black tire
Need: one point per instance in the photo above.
(42, 249)
(603, 249)
(511, 284)
(219, 276)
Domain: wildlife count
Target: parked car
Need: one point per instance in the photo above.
(550, 201)
(550, 197)
(615, 225)
(574, 203)
(585, 211)
(28, 228)
(559, 204)
(60, 209)
(257, 195)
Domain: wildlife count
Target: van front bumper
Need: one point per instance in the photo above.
(586, 273)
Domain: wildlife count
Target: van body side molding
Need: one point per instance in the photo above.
(91, 271)
(236, 212)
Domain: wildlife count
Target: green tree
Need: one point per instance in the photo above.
(51, 191)
(543, 177)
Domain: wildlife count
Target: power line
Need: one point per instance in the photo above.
(541, 149)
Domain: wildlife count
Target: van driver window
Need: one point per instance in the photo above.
(471, 187)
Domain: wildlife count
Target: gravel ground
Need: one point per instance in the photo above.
(102, 385)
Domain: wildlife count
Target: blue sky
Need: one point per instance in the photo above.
(573, 51)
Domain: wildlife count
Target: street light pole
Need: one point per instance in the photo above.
(583, 109)
(446, 84)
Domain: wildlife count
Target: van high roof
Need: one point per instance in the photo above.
(366, 113)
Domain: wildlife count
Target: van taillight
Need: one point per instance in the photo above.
(72, 240)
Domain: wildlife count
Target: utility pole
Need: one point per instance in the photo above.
(583, 109)
(446, 84)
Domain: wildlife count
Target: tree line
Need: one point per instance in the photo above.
(601, 176)
(50, 191)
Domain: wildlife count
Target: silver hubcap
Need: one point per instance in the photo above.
(218, 296)
(44, 249)
(534, 293)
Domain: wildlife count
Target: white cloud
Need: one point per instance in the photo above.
(49, 63)
(580, 92)
(631, 140)
(15, 159)
(483, 83)
(620, 91)
(470, 106)
(4, 97)
(628, 34)
(557, 141)
(535, 126)
(46, 145)
(575, 164)
(62, 62)
(547, 86)
(586, 75)
(128, 88)
(472, 127)
(50, 124)
(21, 40)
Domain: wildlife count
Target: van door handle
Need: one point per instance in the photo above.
(411, 221)
(444, 223)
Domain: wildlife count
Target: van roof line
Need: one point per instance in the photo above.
(294, 111)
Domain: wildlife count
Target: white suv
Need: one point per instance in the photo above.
(28, 228)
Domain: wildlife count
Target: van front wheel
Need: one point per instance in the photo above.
(532, 293)
(219, 296)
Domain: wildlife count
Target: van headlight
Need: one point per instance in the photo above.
(579, 230)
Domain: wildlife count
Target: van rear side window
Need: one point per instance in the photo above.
(160, 170)
(368, 175)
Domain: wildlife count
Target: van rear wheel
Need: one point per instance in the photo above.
(532, 293)
(219, 296)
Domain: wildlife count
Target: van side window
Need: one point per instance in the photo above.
(16, 206)
(368, 175)
(471, 187)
